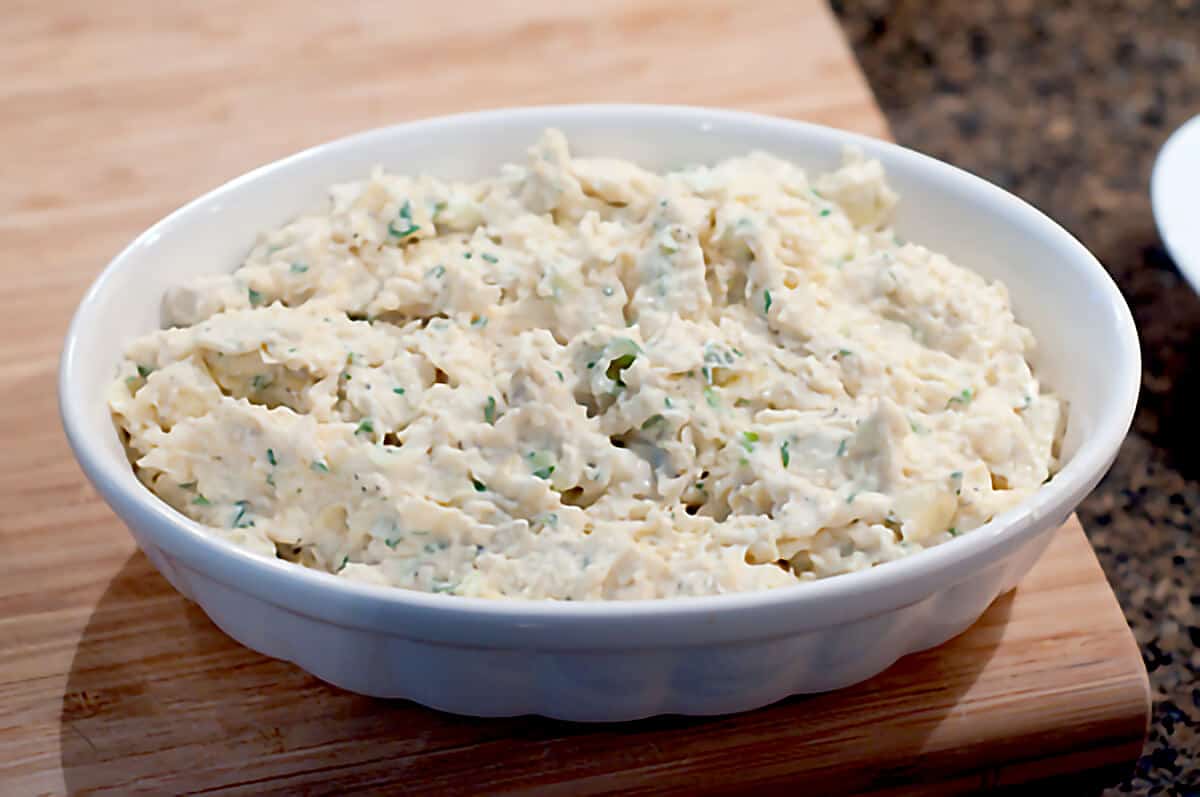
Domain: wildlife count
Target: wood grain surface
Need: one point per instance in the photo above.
(117, 112)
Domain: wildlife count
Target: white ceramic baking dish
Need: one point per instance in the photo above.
(614, 660)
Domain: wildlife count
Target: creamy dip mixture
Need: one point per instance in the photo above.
(579, 379)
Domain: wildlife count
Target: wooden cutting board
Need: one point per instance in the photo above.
(117, 112)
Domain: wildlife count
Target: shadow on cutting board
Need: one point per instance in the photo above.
(159, 700)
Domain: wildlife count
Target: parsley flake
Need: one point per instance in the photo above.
(652, 421)
(963, 398)
(403, 226)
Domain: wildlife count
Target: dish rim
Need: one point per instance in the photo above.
(509, 621)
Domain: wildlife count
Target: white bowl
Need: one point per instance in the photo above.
(611, 660)
(1174, 192)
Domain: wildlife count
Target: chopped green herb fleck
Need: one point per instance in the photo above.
(131, 382)
(489, 411)
(654, 420)
(320, 467)
(365, 427)
(667, 401)
(342, 566)
(392, 542)
(850, 498)
(617, 365)
(784, 456)
(699, 485)
(560, 376)
(962, 398)
(844, 353)
(479, 486)
(466, 255)
(591, 364)
(952, 531)
(489, 258)
(347, 377)
(406, 228)
(187, 486)
(200, 500)
(841, 451)
(271, 479)
(956, 477)
(260, 381)
(825, 212)
(766, 301)
(271, 457)
(710, 395)
(437, 272)
(144, 371)
(255, 297)
(544, 473)
(738, 352)
(399, 391)
(1027, 403)
(749, 439)
(239, 518)
(299, 268)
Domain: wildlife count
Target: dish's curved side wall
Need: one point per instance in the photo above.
(589, 685)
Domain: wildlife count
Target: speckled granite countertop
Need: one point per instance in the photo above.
(1066, 104)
